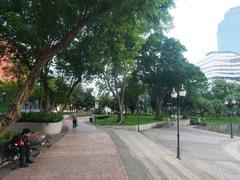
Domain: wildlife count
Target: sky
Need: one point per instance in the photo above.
(196, 25)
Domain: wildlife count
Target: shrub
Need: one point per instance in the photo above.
(195, 121)
(7, 137)
(40, 117)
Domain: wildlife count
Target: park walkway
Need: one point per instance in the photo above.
(90, 153)
(85, 153)
(205, 155)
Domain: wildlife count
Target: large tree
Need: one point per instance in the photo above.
(162, 66)
(133, 91)
(38, 31)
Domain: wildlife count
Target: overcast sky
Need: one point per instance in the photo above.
(196, 24)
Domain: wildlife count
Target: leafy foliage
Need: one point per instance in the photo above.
(83, 99)
(42, 117)
(7, 137)
(162, 66)
(195, 121)
(39, 31)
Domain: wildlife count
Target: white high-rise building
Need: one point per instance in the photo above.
(221, 65)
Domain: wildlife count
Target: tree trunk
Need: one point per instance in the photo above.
(14, 110)
(121, 100)
(120, 111)
(125, 110)
(54, 104)
(159, 101)
(120, 115)
(46, 96)
(68, 95)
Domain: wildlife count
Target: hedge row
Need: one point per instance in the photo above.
(7, 137)
(40, 117)
(195, 121)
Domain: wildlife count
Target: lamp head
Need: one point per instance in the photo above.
(182, 92)
(234, 101)
(226, 102)
(174, 94)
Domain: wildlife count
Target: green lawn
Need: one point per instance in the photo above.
(130, 120)
(221, 120)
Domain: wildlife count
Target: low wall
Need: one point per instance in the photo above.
(47, 128)
(183, 122)
(141, 127)
(149, 126)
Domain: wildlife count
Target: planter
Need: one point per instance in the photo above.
(142, 127)
(47, 128)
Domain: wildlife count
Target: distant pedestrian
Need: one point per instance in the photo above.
(74, 120)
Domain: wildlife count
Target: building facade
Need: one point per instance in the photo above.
(228, 35)
(221, 65)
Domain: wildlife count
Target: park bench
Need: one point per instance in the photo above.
(37, 140)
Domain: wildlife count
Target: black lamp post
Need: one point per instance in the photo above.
(96, 106)
(177, 96)
(230, 103)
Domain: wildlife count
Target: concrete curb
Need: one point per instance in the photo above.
(142, 127)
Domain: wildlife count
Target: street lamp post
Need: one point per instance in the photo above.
(176, 96)
(230, 103)
(141, 108)
(96, 106)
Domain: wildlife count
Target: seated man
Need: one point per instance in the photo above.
(24, 148)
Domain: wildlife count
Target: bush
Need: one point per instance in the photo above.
(42, 117)
(195, 121)
(7, 137)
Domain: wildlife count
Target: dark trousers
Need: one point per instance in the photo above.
(74, 123)
(24, 152)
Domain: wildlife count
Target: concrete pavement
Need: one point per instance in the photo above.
(205, 155)
(91, 152)
(85, 153)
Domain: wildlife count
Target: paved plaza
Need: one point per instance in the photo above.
(98, 153)
(85, 153)
(204, 155)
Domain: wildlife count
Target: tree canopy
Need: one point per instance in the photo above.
(162, 66)
(37, 31)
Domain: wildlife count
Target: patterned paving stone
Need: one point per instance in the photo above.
(86, 153)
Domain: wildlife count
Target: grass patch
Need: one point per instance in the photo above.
(130, 120)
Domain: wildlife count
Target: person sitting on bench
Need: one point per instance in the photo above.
(23, 144)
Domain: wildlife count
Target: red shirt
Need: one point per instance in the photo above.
(21, 141)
